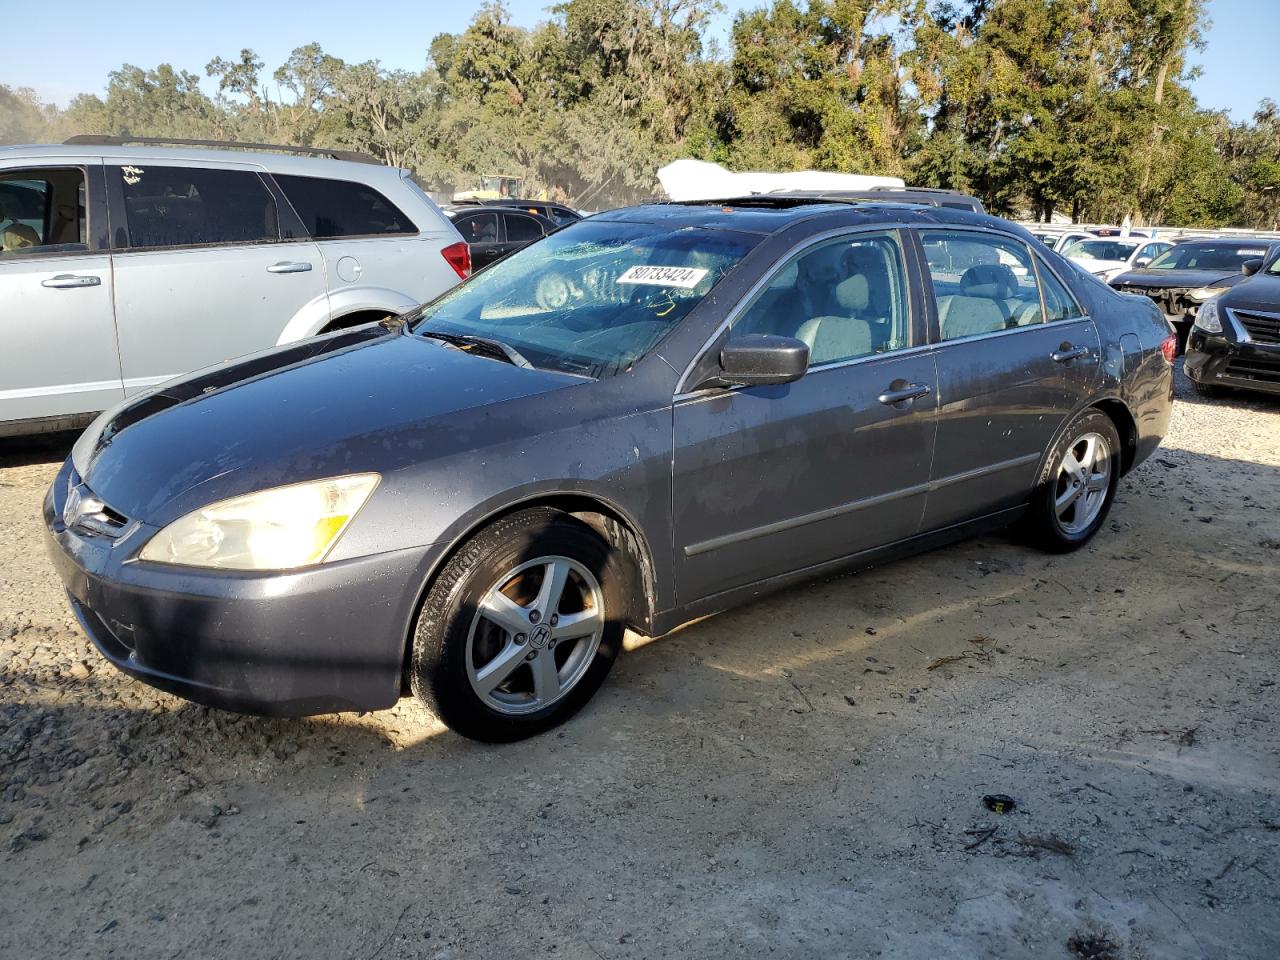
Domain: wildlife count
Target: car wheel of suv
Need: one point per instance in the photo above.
(1206, 389)
(1076, 489)
(519, 629)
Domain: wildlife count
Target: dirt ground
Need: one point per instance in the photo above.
(803, 777)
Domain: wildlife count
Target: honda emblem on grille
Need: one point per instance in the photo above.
(80, 504)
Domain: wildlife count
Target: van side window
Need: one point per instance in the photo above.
(196, 206)
(981, 283)
(341, 208)
(42, 211)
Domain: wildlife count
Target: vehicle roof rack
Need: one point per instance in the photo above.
(100, 140)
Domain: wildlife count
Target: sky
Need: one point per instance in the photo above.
(1243, 38)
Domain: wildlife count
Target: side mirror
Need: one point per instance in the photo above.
(1141, 262)
(760, 359)
(1252, 266)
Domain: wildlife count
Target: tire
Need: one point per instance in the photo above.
(1206, 389)
(1090, 490)
(470, 660)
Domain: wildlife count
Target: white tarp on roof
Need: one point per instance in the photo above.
(701, 180)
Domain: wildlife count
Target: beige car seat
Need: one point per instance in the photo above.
(982, 305)
(840, 337)
(19, 236)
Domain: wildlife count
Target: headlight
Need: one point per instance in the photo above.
(1207, 318)
(275, 529)
(1204, 293)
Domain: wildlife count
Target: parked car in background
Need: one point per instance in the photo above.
(125, 264)
(556, 212)
(1235, 340)
(476, 500)
(1106, 257)
(1189, 273)
(492, 232)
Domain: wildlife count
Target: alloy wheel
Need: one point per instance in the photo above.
(1082, 482)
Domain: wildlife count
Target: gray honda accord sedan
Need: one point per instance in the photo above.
(651, 415)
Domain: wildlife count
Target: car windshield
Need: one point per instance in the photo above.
(591, 299)
(1101, 249)
(1206, 256)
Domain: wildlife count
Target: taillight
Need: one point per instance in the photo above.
(459, 257)
(1169, 347)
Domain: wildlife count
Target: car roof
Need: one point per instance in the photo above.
(1227, 241)
(283, 163)
(470, 211)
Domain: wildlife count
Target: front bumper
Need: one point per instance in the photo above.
(319, 640)
(1218, 361)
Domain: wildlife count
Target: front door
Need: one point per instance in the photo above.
(204, 271)
(480, 231)
(58, 352)
(1011, 367)
(769, 480)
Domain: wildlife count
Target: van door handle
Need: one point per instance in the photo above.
(911, 391)
(289, 266)
(65, 281)
(1066, 353)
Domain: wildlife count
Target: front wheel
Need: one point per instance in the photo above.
(1078, 485)
(519, 629)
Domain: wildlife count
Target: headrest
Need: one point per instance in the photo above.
(994, 281)
(18, 236)
(853, 294)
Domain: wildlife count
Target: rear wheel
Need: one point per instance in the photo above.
(520, 628)
(1075, 492)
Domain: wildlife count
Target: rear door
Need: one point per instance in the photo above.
(1015, 356)
(519, 230)
(58, 354)
(769, 480)
(208, 266)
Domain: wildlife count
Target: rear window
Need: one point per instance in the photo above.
(341, 208)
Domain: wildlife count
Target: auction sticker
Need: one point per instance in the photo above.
(685, 277)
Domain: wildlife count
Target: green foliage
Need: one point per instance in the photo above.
(1036, 106)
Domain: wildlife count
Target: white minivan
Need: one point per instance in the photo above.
(124, 263)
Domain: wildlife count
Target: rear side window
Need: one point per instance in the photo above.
(981, 283)
(521, 229)
(1058, 302)
(42, 211)
(195, 206)
(341, 208)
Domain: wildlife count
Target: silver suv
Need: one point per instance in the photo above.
(126, 263)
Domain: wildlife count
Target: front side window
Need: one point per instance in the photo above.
(42, 211)
(342, 208)
(196, 206)
(981, 283)
(479, 228)
(845, 298)
(590, 299)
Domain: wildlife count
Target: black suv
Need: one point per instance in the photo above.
(1235, 341)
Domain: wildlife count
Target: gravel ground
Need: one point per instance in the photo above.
(800, 778)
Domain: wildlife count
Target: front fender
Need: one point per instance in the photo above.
(315, 315)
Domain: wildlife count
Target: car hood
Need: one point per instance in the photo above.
(363, 401)
(1168, 279)
(1097, 266)
(1261, 292)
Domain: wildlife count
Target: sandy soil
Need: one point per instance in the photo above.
(800, 778)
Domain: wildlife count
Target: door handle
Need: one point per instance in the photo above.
(911, 391)
(1066, 353)
(289, 266)
(65, 281)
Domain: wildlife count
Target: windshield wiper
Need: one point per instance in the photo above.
(485, 345)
